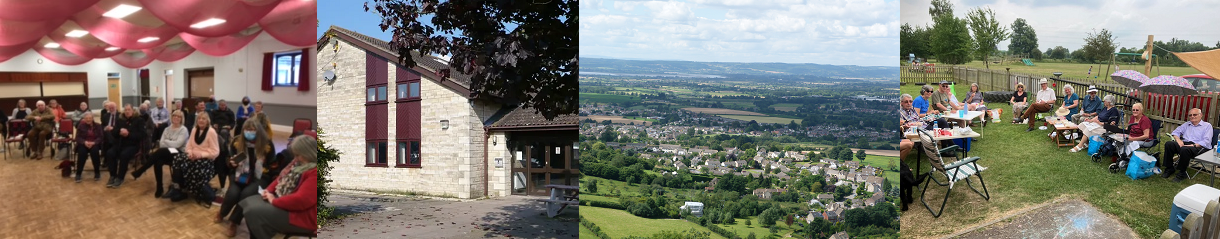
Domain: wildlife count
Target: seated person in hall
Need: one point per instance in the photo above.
(42, 122)
(1043, 101)
(255, 166)
(174, 137)
(79, 113)
(1090, 104)
(21, 111)
(211, 103)
(1018, 102)
(160, 118)
(57, 110)
(110, 117)
(1095, 125)
(290, 203)
(1191, 139)
(129, 134)
(191, 114)
(244, 111)
(223, 116)
(194, 168)
(88, 143)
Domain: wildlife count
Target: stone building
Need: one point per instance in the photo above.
(408, 130)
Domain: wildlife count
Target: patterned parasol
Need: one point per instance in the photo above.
(1129, 78)
(1169, 85)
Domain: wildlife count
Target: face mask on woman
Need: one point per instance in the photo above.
(250, 135)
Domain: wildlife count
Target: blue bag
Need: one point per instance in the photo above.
(1141, 165)
(1095, 144)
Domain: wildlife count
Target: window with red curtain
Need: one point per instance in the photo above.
(407, 83)
(376, 107)
(286, 69)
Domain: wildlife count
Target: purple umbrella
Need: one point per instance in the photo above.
(1169, 85)
(1129, 78)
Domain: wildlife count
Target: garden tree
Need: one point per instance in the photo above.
(792, 125)
(951, 40)
(751, 236)
(1059, 52)
(841, 192)
(940, 8)
(516, 50)
(845, 155)
(1024, 39)
(748, 225)
(987, 32)
(818, 229)
(788, 220)
(860, 154)
(609, 135)
(592, 187)
(862, 143)
(1098, 46)
(913, 40)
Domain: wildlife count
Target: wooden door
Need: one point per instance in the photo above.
(113, 87)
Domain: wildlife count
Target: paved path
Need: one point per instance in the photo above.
(380, 216)
(1068, 219)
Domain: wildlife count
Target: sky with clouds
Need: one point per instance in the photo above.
(1067, 23)
(836, 32)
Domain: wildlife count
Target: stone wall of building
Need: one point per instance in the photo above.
(452, 159)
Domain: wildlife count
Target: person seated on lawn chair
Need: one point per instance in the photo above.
(1070, 101)
(944, 101)
(1018, 102)
(1089, 106)
(1140, 131)
(1042, 104)
(1191, 139)
(921, 102)
(1096, 125)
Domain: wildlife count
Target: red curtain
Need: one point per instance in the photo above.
(267, 59)
(238, 14)
(303, 82)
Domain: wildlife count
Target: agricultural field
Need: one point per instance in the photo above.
(786, 107)
(717, 111)
(605, 98)
(616, 119)
(640, 118)
(740, 228)
(1079, 70)
(618, 223)
(762, 119)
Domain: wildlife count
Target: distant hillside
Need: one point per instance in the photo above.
(735, 68)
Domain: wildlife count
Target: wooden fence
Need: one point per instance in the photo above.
(1172, 110)
(1199, 225)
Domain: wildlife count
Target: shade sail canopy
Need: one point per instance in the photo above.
(72, 32)
(1207, 62)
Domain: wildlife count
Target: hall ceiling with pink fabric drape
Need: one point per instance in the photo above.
(73, 32)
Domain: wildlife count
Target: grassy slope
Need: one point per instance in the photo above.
(1078, 70)
(618, 223)
(1025, 170)
(762, 119)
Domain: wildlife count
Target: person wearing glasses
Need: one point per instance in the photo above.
(944, 100)
(1191, 139)
(1042, 103)
(921, 102)
(1018, 102)
(1139, 134)
(1095, 125)
(1089, 105)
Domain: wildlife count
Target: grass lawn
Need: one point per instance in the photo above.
(882, 162)
(585, 233)
(1078, 70)
(618, 223)
(641, 118)
(742, 231)
(1025, 170)
(762, 119)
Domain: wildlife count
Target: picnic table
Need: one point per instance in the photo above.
(560, 198)
(1206, 159)
(967, 117)
(1063, 129)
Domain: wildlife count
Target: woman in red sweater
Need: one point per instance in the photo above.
(290, 204)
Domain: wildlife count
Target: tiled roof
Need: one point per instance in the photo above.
(528, 117)
(428, 62)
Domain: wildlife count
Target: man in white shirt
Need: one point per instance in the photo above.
(160, 117)
(1043, 100)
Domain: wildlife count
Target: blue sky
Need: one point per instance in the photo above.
(837, 32)
(351, 15)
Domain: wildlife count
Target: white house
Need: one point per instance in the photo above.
(696, 208)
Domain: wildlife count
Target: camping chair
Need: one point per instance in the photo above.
(301, 125)
(957, 171)
(1199, 166)
(65, 130)
(17, 130)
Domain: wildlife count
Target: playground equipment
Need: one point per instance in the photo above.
(1027, 62)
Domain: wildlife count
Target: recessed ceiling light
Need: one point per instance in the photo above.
(76, 33)
(121, 11)
(208, 23)
(112, 48)
(148, 39)
(51, 45)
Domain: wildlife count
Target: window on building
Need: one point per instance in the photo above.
(408, 90)
(286, 68)
(375, 154)
(376, 94)
(408, 154)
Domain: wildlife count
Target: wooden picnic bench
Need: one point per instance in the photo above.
(560, 198)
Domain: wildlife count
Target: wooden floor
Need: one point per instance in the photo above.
(38, 203)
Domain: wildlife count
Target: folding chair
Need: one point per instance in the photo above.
(957, 171)
(65, 130)
(17, 130)
(301, 125)
(1194, 163)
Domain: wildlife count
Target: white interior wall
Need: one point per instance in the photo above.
(237, 75)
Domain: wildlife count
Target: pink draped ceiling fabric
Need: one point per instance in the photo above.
(31, 24)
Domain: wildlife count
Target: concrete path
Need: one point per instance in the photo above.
(1068, 219)
(381, 216)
